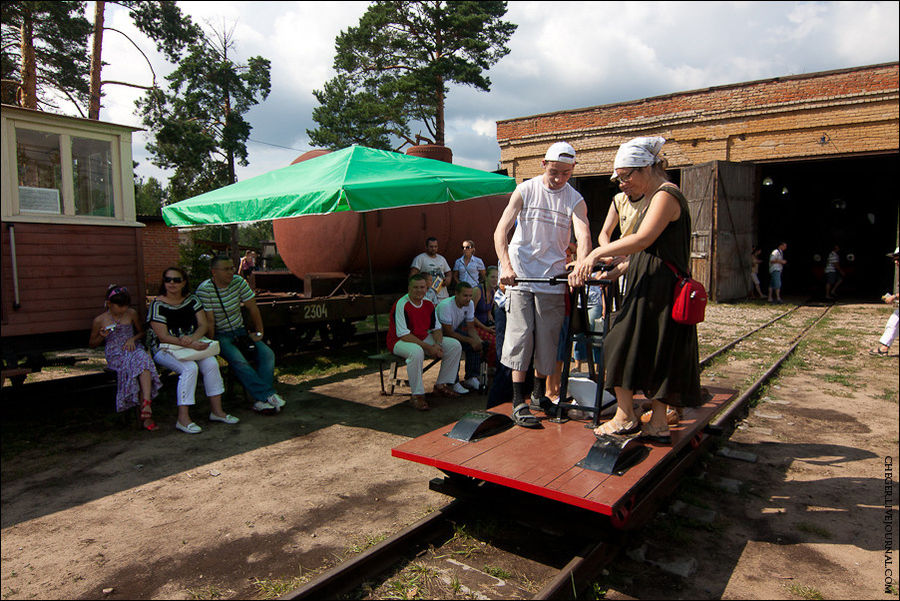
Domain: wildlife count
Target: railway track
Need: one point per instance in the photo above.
(586, 556)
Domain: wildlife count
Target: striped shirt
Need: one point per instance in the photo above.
(237, 292)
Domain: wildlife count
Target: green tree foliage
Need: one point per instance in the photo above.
(400, 59)
(160, 20)
(44, 53)
(198, 124)
(347, 117)
(149, 196)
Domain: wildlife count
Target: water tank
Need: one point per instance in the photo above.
(336, 242)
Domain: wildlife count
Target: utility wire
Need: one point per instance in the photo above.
(275, 145)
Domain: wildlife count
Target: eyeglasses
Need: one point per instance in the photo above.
(625, 178)
(173, 280)
(468, 247)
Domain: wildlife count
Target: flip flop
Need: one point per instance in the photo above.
(877, 352)
(523, 417)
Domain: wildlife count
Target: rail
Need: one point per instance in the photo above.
(583, 567)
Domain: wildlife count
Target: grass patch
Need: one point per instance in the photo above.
(889, 394)
(308, 367)
(208, 592)
(804, 592)
(366, 542)
(812, 529)
(272, 588)
(497, 572)
(842, 379)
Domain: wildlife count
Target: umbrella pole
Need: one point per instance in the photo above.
(372, 285)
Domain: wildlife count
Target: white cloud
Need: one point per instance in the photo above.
(565, 55)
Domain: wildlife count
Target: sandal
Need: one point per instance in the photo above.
(523, 417)
(147, 416)
(660, 436)
(418, 402)
(616, 428)
(445, 390)
(673, 416)
(877, 352)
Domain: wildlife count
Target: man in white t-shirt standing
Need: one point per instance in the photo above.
(457, 317)
(436, 265)
(543, 211)
(776, 266)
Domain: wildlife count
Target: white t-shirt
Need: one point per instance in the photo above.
(776, 254)
(451, 314)
(542, 234)
(437, 266)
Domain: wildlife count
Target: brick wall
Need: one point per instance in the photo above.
(160, 251)
(833, 113)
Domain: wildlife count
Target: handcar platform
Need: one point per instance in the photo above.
(543, 461)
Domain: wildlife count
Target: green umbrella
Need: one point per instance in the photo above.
(352, 179)
(357, 179)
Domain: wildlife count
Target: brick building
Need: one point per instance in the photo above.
(804, 158)
(160, 246)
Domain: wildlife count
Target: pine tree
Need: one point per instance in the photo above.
(44, 54)
(402, 56)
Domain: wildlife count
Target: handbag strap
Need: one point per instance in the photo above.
(677, 273)
(224, 311)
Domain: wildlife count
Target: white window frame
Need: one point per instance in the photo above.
(119, 139)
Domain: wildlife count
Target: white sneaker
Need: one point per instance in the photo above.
(276, 401)
(460, 389)
(264, 407)
(472, 383)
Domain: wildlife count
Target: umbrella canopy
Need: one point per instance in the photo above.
(352, 179)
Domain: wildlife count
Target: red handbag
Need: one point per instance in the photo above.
(689, 306)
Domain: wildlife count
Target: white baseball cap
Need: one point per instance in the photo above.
(561, 152)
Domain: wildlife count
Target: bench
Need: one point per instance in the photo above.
(395, 361)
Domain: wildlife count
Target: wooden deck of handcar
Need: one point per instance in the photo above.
(542, 461)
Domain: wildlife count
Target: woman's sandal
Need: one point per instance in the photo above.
(616, 428)
(673, 416)
(523, 417)
(147, 416)
(660, 436)
(877, 352)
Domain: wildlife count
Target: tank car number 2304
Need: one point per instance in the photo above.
(315, 311)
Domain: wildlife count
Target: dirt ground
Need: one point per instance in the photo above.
(247, 511)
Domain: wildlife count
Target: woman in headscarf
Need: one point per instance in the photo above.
(646, 349)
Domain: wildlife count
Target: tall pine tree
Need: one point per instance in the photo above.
(44, 53)
(396, 64)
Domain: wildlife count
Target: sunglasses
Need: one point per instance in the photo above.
(623, 177)
(172, 280)
(467, 247)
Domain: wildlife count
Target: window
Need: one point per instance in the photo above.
(39, 171)
(92, 177)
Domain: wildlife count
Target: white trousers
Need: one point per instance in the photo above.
(890, 330)
(187, 376)
(415, 359)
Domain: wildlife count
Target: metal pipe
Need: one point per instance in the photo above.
(15, 269)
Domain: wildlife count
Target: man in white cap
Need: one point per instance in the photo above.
(543, 210)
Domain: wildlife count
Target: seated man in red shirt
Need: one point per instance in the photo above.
(413, 333)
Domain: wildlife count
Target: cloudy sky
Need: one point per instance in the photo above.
(564, 55)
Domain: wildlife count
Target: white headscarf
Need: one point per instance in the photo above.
(638, 152)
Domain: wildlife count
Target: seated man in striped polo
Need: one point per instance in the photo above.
(222, 296)
(414, 333)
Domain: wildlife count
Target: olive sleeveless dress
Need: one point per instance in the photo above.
(645, 349)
